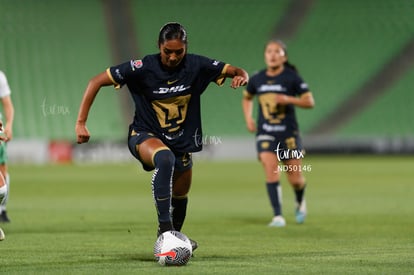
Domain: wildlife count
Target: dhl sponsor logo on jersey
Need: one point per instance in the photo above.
(271, 88)
(175, 89)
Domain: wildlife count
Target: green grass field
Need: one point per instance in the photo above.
(100, 219)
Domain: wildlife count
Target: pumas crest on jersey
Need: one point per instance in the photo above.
(136, 64)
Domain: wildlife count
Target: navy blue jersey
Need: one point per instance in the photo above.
(167, 102)
(274, 119)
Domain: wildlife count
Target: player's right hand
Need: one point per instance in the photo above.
(3, 137)
(82, 133)
(251, 125)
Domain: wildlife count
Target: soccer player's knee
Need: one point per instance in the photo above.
(164, 159)
(298, 185)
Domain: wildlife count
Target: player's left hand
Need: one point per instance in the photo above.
(238, 81)
(282, 99)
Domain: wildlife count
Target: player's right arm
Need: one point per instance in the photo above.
(247, 105)
(94, 85)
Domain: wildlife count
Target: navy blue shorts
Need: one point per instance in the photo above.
(285, 147)
(183, 161)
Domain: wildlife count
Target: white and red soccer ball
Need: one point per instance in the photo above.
(173, 248)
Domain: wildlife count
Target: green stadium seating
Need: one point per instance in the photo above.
(342, 44)
(389, 116)
(49, 51)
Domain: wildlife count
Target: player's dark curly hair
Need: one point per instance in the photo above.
(172, 30)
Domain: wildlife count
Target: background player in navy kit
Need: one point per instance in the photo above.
(166, 89)
(279, 89)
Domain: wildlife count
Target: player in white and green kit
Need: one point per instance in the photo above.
(7, 134)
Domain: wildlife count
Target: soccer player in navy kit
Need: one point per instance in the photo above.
(166, 89)
(279, 88)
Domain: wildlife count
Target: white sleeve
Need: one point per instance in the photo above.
(4, 86)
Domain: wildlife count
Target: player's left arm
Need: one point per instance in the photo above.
(239, 76)
(9, 115)
(305, 100)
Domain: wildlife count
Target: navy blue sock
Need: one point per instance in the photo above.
(275, 194)
(164, 161)
(300, 194)
(179, 211)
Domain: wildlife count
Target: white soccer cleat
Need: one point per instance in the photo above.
(2, 236)
(277, 221)
(301, 212)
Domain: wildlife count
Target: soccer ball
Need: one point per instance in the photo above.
(172, 248)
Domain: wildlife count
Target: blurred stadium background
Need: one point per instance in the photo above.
(357, 56)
